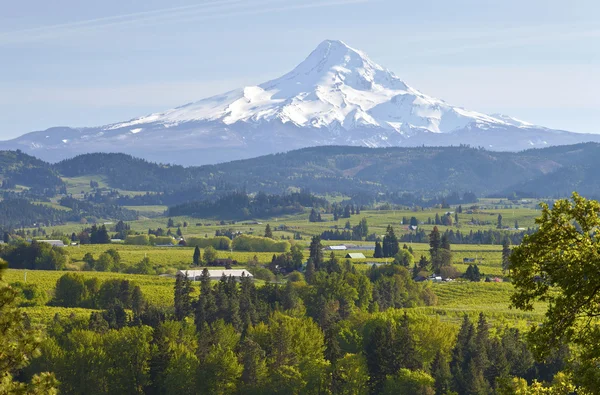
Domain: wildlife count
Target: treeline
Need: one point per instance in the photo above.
(18, 213)
(83, 209)
(473, 237)
(238, 205)
(409, 199)
(34, 256)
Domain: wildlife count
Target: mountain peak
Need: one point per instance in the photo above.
(336, 95)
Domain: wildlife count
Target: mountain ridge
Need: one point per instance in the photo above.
(336, 96)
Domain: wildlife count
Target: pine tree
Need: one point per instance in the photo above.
(179, 232)
(456, 218)
(378, 250)
(197, 256)
(405, 347)
(390, 245)
(499, 221)
(440, 371)
(313, 216)
(462, 356)
(170, 223)
(183, 300)
(506, 251)
(347, 211)
(310, 271)
(268, 232)
(316, 252)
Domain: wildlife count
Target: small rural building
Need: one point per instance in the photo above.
(336, 248)
(468, 260)
(53, 243)
(215, 274)
(355, 255)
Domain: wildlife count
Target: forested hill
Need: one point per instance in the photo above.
(18, 169)
(354, 171)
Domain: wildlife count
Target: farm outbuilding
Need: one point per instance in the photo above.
(53, 243)
(355, 255)
(336, 248)
(215, 274)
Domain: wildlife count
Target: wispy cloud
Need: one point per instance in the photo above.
(202, 11)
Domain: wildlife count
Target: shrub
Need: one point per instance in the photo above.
(218, 242)
(259, 244)
(139, 240)
(30, 294)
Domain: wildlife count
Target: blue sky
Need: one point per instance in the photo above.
(80, 63)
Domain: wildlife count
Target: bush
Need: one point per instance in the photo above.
(261, 273)
(259, 244)
(30, 294)
(449, 272)
(161, 240)
(218, 242)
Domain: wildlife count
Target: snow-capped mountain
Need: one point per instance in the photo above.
(337, 95)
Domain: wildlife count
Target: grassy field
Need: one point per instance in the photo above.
(454, 298)
(157, 290)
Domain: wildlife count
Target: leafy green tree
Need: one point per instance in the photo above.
(351, 375)
(210, 255)
(18, 345)
(70, 290)
(558, 265)
(408, 381)
(404, 258)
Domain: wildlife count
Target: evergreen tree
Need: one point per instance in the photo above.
(379, 353)
(423, 262)
(378, 250)
(310, 271)
(405, 347)
(440, 371)
(347, 211)
(183, 300)
(316, 252)
(206, 308)
(506, 251)
(179, 232)
(313, 216)
(170, 223)
(499, 221)
(6, 237)
(456, 218)
(435, 244)
(268, 232)
(462, 356)
(390, 245)
(197, 256)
